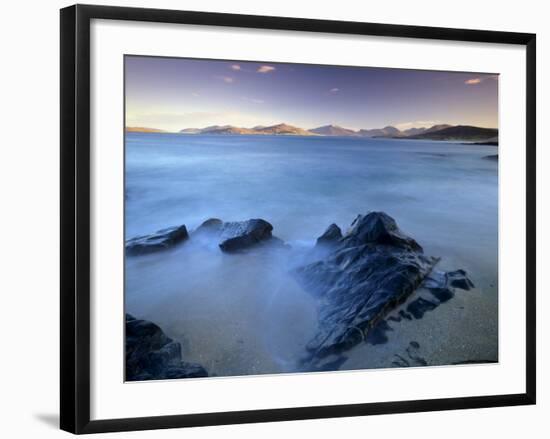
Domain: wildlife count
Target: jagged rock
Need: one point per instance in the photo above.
(151, 355)
(379, 228)
(373, 267)
(332, 235)
(158, 241)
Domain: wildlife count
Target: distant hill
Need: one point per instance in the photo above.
(416, 131)
(459, 132)
(333, 130)
(214, 128)
(388, 131)
(143, 130)
(413, 131)
(227, 129)
(218, 129)
(435, 128)
(283, 128)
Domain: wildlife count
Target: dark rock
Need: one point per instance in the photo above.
(442, 294)
(379, 228)
(377, 334)
(332, 235)
(459, 279)
(151, 355)
(373, 268)
(412, 360)
(400, 361)
(158, 241)
(237, 236)
(420, 306)
(416, 359)
(438, 287)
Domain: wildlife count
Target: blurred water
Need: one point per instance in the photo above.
(240, 314)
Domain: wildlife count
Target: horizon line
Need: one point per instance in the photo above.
(306, 129)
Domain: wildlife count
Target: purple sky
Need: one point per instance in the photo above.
(177, 93)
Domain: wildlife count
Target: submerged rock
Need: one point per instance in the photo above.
(373, 267)
(151, 355)
(158, 241)
(210, 225)
(331, 235)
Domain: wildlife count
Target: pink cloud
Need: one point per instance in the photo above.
(473, 81)
(235, 67)
(265, 69)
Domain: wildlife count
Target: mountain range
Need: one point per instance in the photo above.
(435, 132)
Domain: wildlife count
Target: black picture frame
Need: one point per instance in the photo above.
(75, 217)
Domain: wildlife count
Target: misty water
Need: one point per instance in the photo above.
(241, 314)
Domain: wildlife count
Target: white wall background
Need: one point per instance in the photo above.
(29, 249)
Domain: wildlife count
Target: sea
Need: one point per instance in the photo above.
(245, 314)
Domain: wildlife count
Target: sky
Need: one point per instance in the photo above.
(177, 93)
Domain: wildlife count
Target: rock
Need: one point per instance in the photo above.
(420, 306)
(379, 228)
(437, 288)
(210, 225)
(158, 241)
(151, 355)
(332, 235)
(459, 279)
(237, 236)
(372, 268)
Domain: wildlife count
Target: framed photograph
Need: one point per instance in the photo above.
(268, 218)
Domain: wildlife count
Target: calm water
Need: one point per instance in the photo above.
(240, 314)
